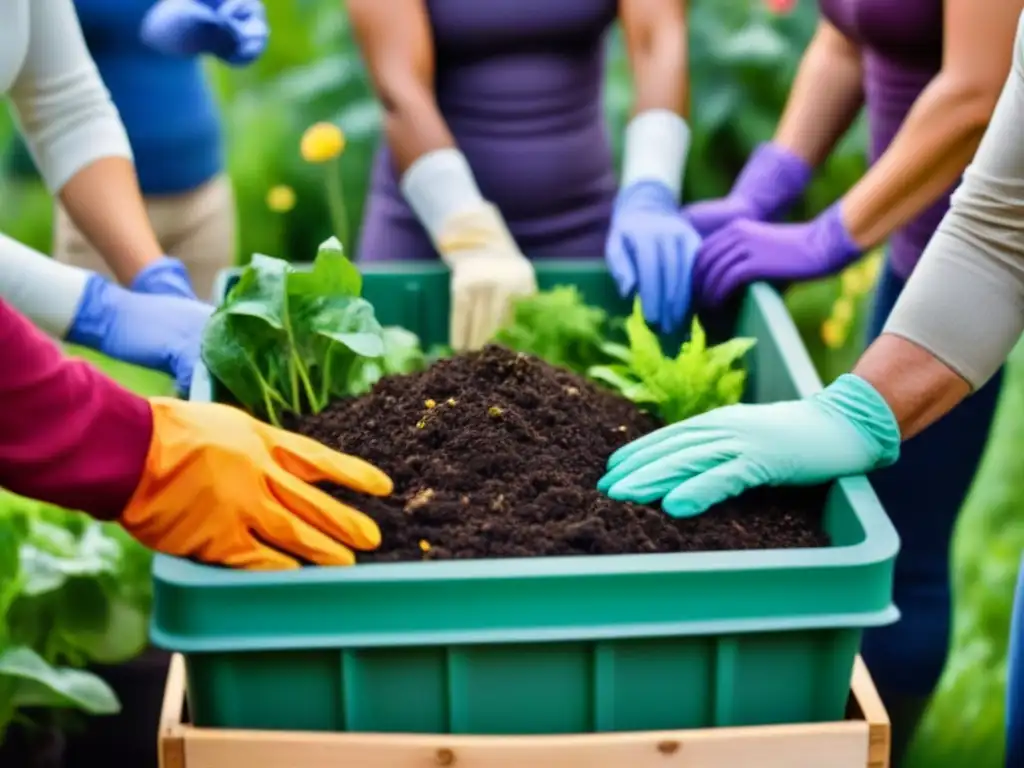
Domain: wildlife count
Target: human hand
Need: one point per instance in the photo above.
(845, 429)
(651, 251)
(746, 251)
(233, 30)
(771, 181)
(488, 273)
(155, 331)
(166, 276)
(224, 488)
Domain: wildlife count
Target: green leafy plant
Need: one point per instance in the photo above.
(558, 327)
(698, 379)
(287, 340)
(72, 592)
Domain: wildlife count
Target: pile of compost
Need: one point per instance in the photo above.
(498, 454)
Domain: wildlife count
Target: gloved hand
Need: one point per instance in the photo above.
(166, 276)
(488, 273)
(220, 486)
(651, 251)
(233, 30)
(846, 429)
(159, 332)
(746, 251)
(771, 181)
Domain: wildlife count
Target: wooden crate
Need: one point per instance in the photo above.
(860, 740)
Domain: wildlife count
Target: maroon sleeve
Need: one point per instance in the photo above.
(68, 435)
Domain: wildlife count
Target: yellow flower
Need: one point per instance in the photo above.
(281, 198)
(853, 282)
(843, 310)
(322, 142)
(833, 334)
(871, 266)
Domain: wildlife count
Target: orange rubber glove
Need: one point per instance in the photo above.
(224, 488)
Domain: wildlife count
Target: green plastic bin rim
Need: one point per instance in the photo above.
(880, 542)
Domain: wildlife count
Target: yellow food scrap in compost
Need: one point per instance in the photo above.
(421, 424)
(430, 404)
(421, 499)
(494, 411)
(322, 142)
(452, 401)
(424, 545)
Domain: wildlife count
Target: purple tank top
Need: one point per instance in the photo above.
(901, 43)
(520, 84)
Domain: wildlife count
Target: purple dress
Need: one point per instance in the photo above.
(901, 42)
(519, 83)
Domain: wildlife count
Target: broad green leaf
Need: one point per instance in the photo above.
(402, 351)
(38, 684)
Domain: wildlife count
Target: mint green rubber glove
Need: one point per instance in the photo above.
(846, 429)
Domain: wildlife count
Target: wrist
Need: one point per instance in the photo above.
(438, 186)
(773, 179)
(840, 246)
(656, 145)
(95, 314)
(861, 405)
(647, 195)
(164, 275)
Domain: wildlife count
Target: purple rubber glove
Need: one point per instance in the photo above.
(651, 251)
(746, 251)
(165, 277)
(233, 30)
(771, 181)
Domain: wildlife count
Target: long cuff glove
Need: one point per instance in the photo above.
(226, 489)
(651, 251)
(846, 429)
(488, 273)
(159, 332)
(772, 180)
(166, 276)
(746, 251)
(233, 30)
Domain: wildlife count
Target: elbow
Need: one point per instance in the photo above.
(969, 104)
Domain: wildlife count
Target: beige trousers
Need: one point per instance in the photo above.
(197, 227)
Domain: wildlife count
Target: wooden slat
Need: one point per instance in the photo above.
(873, 711)
(792, 746)
(171, 744)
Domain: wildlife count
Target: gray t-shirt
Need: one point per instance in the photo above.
(964, 302)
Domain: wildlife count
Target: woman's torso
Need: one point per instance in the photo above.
(901, 43)
(519, 83)
(165, 102)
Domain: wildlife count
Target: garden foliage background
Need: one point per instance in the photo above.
(743, 57)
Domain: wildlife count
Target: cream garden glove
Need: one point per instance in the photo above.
(488, 273)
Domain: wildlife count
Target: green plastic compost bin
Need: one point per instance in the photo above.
(541, 645)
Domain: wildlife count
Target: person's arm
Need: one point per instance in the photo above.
(657, 137)
(68, 435)
(78, 142)
(45, 291)
(436, 179)
(942, 130)
(826, 96)
(962, 310)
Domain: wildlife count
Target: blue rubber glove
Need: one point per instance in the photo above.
(166, 277)
(846, 429)
(159, 332)
(233, 30)
(651, 251)
(746, 251)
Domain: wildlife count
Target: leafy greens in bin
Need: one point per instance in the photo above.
(287, 340)
(699, 379)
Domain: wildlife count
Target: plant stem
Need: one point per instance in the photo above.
(306, 383)
(336, 204)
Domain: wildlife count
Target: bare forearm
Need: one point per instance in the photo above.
(917, 386)
(826, 96)
(413, 124)
(656, 41)
(104, 201)
(928, 155)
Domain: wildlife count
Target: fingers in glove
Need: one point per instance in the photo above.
(653, 480)
(731, 272)
(482, 328)
(679, 303)
(276, 527)
(620, 264)
(650, 271)
(708, 437)
(461, 319)
(258, 557)
(314, 462)
(700, 492)
(327, 515)
(711, 250)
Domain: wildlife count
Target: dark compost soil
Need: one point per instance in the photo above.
(497, 454)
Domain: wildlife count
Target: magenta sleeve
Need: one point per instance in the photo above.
(68, 435)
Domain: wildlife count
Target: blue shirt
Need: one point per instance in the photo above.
(166, 103)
